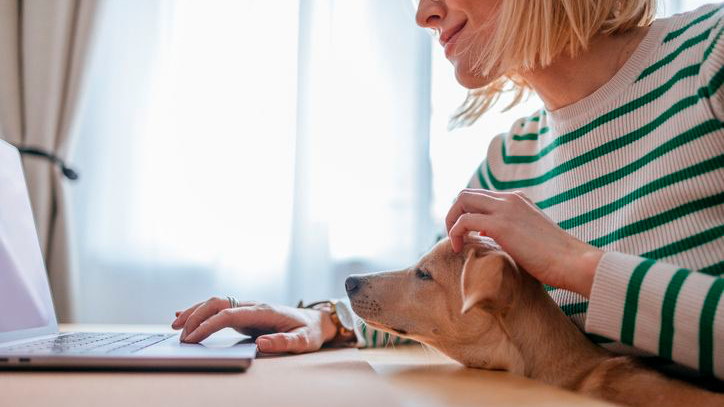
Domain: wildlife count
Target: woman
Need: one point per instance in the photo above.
(612, 195)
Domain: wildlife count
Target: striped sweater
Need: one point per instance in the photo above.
(636, 169)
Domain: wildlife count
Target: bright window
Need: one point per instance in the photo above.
(224, 155)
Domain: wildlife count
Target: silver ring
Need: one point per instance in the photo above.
(233, 302)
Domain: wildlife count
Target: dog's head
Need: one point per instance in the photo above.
(454, 302)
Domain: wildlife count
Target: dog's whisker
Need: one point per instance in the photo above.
(431, 351)
(424, 349)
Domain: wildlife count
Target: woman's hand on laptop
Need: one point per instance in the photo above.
(278, 328)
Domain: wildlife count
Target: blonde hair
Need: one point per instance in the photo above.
(529, 34)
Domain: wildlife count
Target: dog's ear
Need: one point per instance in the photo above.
(486, 280)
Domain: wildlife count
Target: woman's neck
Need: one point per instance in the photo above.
(570, 79)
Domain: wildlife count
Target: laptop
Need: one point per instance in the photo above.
(29, 335)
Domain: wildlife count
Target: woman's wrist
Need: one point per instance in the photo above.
(581, 280)
(329, 329)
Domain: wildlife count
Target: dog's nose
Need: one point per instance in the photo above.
(351, 284)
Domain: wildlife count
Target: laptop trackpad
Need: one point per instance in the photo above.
(224, 343)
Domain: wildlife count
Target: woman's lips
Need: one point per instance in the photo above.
(450, 41)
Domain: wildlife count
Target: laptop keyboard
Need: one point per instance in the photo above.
(93, 343)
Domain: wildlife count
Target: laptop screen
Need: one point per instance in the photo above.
(26, 307)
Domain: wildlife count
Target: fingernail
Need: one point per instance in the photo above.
(263, 344)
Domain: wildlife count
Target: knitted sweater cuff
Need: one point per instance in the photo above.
(608, 294)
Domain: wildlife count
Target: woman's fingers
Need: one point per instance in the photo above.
(216, 322)
(237, 318)
(202, 313)
(470, 222)
(471, 201)
(296, 341)
(181, 317)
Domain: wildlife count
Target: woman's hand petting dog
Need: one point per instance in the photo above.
(278, 328)
(533, 240)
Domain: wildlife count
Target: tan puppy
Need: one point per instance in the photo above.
(480, 309)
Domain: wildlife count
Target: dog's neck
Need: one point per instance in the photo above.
(552, 348)
(533, 339)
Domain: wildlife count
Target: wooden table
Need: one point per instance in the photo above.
(405, 376)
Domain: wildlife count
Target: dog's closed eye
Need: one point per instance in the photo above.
(422, 274)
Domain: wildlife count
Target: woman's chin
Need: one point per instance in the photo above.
(468, 80)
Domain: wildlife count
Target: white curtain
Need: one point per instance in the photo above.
(362, 191)
(222, 154)
(43, 48)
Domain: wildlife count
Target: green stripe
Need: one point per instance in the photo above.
(549, 288)
(686, 243)
(576, 308)
(711, 46)
(533, 119)
(667, 59)
(629, 107)
(529, 120)
(666, 335)
(631, 305)
(525, 137)
(670, 36)
(613, 145)
(706, 327)
(531, 136)
(659, 219)
(397, 341)
(714, 270)
(663, 182)
(481, 178)
(374, 338)
(714, 84)
(385, 339)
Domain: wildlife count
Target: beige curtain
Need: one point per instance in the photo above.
(43, 45)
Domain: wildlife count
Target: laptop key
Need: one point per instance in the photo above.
(139, 344)
(89, 343)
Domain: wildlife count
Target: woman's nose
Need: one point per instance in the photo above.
(430, 13)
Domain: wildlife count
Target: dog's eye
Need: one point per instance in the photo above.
(422, 274)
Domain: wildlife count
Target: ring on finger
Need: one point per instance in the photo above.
(233, 302)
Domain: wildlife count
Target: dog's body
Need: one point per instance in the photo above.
(480, 309)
